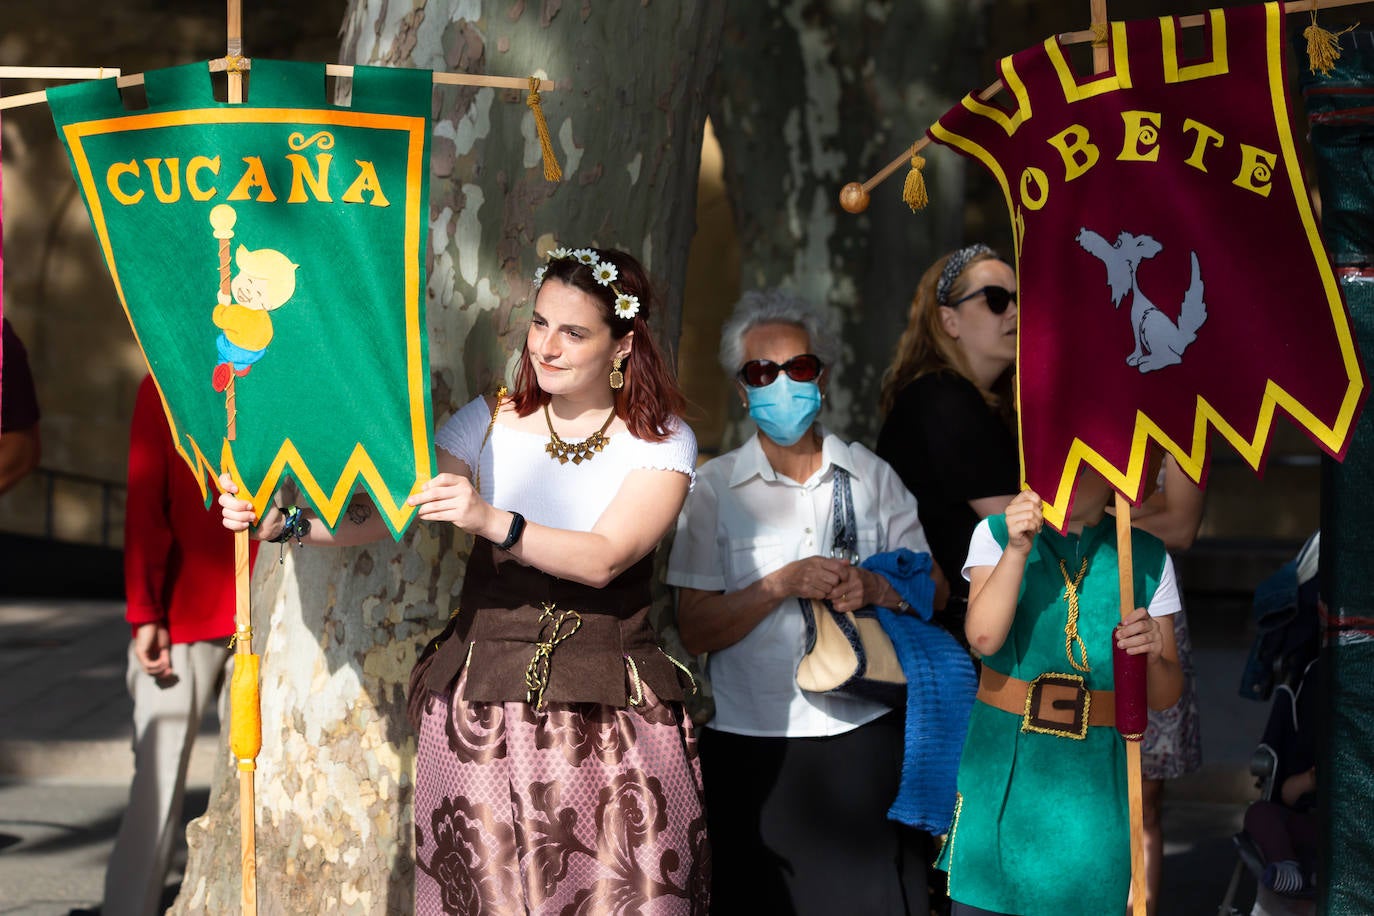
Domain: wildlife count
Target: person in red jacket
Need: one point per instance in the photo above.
(179, 584)
(20, 445)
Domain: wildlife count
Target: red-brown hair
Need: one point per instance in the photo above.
(651, 396)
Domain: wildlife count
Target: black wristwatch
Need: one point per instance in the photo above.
(517, 528)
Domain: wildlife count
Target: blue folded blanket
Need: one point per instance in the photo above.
(941, 684)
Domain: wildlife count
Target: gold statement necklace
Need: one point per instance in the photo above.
(1071, 637)
(576, 452)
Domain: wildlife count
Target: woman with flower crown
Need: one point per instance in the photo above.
(556, 770)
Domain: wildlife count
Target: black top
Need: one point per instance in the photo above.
(949, 447)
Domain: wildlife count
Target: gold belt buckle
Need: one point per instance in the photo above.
(1057, 704)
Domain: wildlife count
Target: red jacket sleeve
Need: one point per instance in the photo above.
(147, 526)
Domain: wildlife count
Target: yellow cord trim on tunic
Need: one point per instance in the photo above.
(1071, 636)
(637, 696)
(953, 829)
(637, 692)
(550, 635)
(681, 667)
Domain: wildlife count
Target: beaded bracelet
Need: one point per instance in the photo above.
(294, 524)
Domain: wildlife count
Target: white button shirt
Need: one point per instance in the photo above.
(743, 521)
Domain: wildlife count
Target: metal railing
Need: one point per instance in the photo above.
(51, 478)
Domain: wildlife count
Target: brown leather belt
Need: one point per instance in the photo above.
(1054, 704)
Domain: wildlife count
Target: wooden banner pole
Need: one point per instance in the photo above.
(243, 617)
(854, 196)
(1126, 573)
(247, 801)
(1099, 31)
(47, 73)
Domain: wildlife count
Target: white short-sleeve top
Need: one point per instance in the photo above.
(983, 550)
(743, 521)
(518, 475)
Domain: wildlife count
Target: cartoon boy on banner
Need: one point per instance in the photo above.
(265, 280)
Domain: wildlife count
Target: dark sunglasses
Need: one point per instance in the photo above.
(758, 373)
(999, 297)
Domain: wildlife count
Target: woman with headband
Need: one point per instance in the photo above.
(948, 402)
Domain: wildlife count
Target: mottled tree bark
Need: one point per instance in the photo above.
(339, 629)
(812, 94)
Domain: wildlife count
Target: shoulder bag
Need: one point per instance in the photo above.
(848, 654)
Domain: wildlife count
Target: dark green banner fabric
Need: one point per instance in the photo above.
(270, 257)
(1342, 131)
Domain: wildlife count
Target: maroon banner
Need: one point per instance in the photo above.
(1170, 270)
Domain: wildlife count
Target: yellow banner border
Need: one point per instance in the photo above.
(359, 464)
(1193, 460)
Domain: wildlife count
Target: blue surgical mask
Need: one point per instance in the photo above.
(785, 409)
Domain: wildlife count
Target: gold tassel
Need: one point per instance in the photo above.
(552, 171)
(1323, 47)
(245, 712)
(914, 191)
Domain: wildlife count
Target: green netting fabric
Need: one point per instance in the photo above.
(1341, 118)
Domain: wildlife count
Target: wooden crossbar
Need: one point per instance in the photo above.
(1069, 38)
(220, 64)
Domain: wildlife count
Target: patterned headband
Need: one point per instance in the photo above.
(955, 266)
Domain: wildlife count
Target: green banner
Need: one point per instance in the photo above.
(270, 258)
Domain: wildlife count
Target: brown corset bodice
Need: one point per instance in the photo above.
(527, 636)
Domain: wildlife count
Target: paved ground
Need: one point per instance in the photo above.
(65, 760)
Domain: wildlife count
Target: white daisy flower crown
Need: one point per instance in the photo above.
(626, 306)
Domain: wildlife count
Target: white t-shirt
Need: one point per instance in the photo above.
(519, 476)
(983, 550)
(744, 521)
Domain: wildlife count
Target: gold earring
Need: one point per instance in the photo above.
(617, 377)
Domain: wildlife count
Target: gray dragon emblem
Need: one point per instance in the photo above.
(1159, 341)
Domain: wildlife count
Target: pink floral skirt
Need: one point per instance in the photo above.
(576, 809)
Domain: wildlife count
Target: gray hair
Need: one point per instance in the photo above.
(777, 306)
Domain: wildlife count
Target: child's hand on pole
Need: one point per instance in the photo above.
(1140, 634)
(1025, 518)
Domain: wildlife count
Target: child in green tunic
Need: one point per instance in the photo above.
(1041, 827)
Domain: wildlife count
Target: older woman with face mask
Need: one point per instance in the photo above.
(797, 784)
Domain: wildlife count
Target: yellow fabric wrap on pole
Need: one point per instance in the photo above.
(245, 715)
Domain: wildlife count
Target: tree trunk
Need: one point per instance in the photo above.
(812, 94)
(338, 629)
